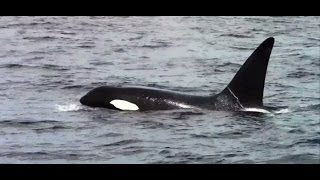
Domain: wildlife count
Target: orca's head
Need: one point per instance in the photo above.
(95, 98)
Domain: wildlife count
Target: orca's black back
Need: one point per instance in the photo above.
(144, 98)
(244, 90)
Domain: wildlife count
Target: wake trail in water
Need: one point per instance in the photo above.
(302, 107)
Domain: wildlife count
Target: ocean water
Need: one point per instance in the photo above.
(48, 63)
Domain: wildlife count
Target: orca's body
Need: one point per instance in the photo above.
(245, 91)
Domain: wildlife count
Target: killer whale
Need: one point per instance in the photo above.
(244, 92)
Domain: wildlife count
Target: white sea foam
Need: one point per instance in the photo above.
(68, 107)
(282, 111)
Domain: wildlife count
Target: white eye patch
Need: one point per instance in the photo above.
(124, 105)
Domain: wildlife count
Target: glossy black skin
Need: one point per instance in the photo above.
(154, 99)
(245, 90)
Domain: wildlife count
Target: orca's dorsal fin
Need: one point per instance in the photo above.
(248, 84)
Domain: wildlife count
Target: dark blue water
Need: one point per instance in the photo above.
(48, 63)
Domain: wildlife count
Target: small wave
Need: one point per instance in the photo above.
(211, 43)
(86, 46)
(300, 74)
(229, 64)
(230, 134)
(296, 131)
(135, 38)
(68, 107)
(73, 87)
(35, 58)
(68, 33)
(154, 46)
(311, 141)
(51, 128)
(164, 152)
(186, 115)
(29, 24)
(54, 67)
(241, 48)
(312, 106)
(41, 38)
(14, 154)
(119, 50)
(236, 35)
(37, 52)
(145, 57)
(13, 65)
(45, 66)
(111, 134)
(101, 63)
(305, 158)
(199, 136)
(16, 122)
(123, 142)
(158, 44)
